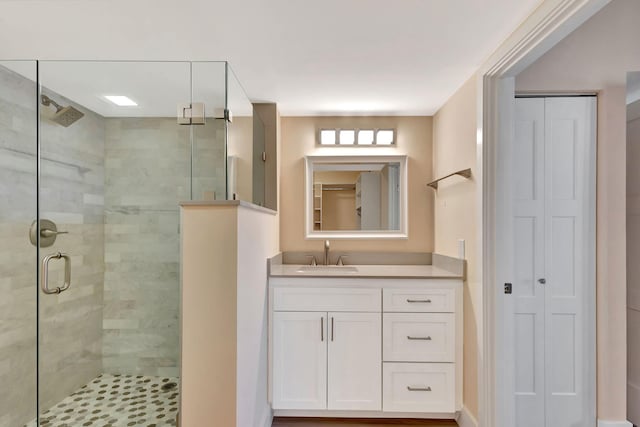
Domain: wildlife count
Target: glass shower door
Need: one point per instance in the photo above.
(114, 163)
(18, 257)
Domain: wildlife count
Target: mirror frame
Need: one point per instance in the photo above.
(310, 233)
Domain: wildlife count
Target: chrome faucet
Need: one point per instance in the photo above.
(326, 252)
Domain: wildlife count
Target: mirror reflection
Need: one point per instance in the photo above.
(356, 196)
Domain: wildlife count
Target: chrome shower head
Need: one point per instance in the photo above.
(65, 116)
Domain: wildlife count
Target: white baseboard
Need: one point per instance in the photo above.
(267, 419)
(604, 423)
(465, 419)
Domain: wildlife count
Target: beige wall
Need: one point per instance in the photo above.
(456, 207)
(209, 337)
(338, 207)
(268, 113)
(240, 145)
(224, 316)
(336, 177)
(339, 210)
(414, 136)
(597, 57)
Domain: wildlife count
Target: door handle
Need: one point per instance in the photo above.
(332, 329)
(44, 277)
(410, 338)
(418, 388)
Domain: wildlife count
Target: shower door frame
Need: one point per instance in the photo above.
(39, 375)
(36, 66)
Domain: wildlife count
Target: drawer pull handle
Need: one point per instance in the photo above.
(427, 301)
(409, 337)
(418, 388)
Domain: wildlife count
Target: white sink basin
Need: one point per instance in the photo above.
(331, 269)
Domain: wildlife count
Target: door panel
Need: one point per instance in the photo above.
(18, 180)
(554, 257)
(569, 258)
(354, 361)
(528, 235)
(299, 360)
(111, 178)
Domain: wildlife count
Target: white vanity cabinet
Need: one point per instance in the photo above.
(354, 368)
(365, 347)
(328, 356)
(300, 360)
(421, 344)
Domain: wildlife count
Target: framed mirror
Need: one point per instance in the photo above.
(354, 197)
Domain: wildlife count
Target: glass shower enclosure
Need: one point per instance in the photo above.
(94, 160)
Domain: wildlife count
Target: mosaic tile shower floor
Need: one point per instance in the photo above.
(117, 401)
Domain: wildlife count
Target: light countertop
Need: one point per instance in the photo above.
(377, 271)
(397, 265)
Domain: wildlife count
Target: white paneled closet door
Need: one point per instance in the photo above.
(552, 307)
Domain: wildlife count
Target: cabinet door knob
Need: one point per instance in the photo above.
(542, 281)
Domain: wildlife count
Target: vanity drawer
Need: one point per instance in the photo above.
(418, 387)
(419, 300)
(418, 337)
(327, 299)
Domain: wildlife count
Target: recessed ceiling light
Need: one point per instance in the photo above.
(121, 100)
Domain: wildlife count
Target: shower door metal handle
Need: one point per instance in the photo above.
(44, 277)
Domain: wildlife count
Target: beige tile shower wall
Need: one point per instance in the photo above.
(240, 147)
(148, 166)
(72, 195)
(147, 173)
(17, 255)
(414, 136)
(72, 183)
(209, 180)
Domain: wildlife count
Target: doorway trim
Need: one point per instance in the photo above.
(552, 21)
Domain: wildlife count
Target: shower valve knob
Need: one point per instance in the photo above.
(47, 235)
(46, 232)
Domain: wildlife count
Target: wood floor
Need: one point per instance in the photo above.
(335, 422)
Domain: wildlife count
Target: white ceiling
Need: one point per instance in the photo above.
(404, 57)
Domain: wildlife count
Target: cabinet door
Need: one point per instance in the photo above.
(355, 361)
(299, 360)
